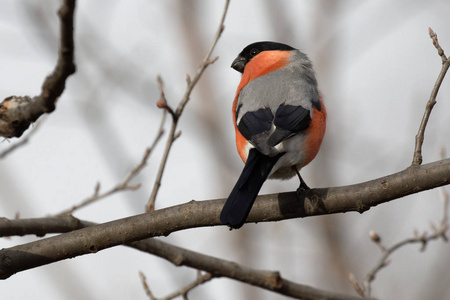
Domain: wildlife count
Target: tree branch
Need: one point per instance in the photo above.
(201, 278)
(41, 226)
(439, 231)
(173, 134)
(417, 160)
(275, 207)
(18, 112)
(269, 280)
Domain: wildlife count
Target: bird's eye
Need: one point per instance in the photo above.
(253, 52)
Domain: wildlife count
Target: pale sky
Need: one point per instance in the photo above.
(375, 64)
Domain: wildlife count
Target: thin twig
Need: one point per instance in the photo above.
(422, 239)
(439, 231)
(173, 135)
(356, 285)
(122, 186)
(145, 286)
(125, 184)
(441, 53)
(417, 160)
(162, 102)
(201, 278)
(23, 141)
(150, 206)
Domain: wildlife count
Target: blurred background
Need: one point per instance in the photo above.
(375, 64)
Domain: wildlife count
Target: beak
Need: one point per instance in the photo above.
(239, 64)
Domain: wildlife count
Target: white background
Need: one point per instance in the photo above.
(376, 66)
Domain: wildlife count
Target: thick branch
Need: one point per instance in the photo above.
(359, 197)
(270, 280)
(41, 226)
(18, 112)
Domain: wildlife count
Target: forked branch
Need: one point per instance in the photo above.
(18, 112)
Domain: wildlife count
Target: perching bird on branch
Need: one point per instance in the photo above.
(279, 118)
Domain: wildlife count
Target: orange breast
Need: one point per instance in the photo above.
(316, 133)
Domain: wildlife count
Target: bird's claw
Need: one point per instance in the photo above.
(301, 190)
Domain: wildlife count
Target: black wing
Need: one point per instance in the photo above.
(289, 120)
(256, 122)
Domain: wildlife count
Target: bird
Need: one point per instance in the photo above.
(279, 119)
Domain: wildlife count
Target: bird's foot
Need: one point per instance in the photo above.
(301, 189)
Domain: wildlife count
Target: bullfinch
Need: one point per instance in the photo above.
(279, 119)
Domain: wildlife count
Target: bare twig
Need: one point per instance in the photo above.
(173, 135)
(201, 278)
(145, 286)
(439, 231)
(18, 112)
(417, 160)
(122, 186)
(23, 141)
(125, 184)
(441, 53)
(422, 239)
(356, 285)
(162, 102)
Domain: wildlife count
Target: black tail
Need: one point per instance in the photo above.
(240, 201)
